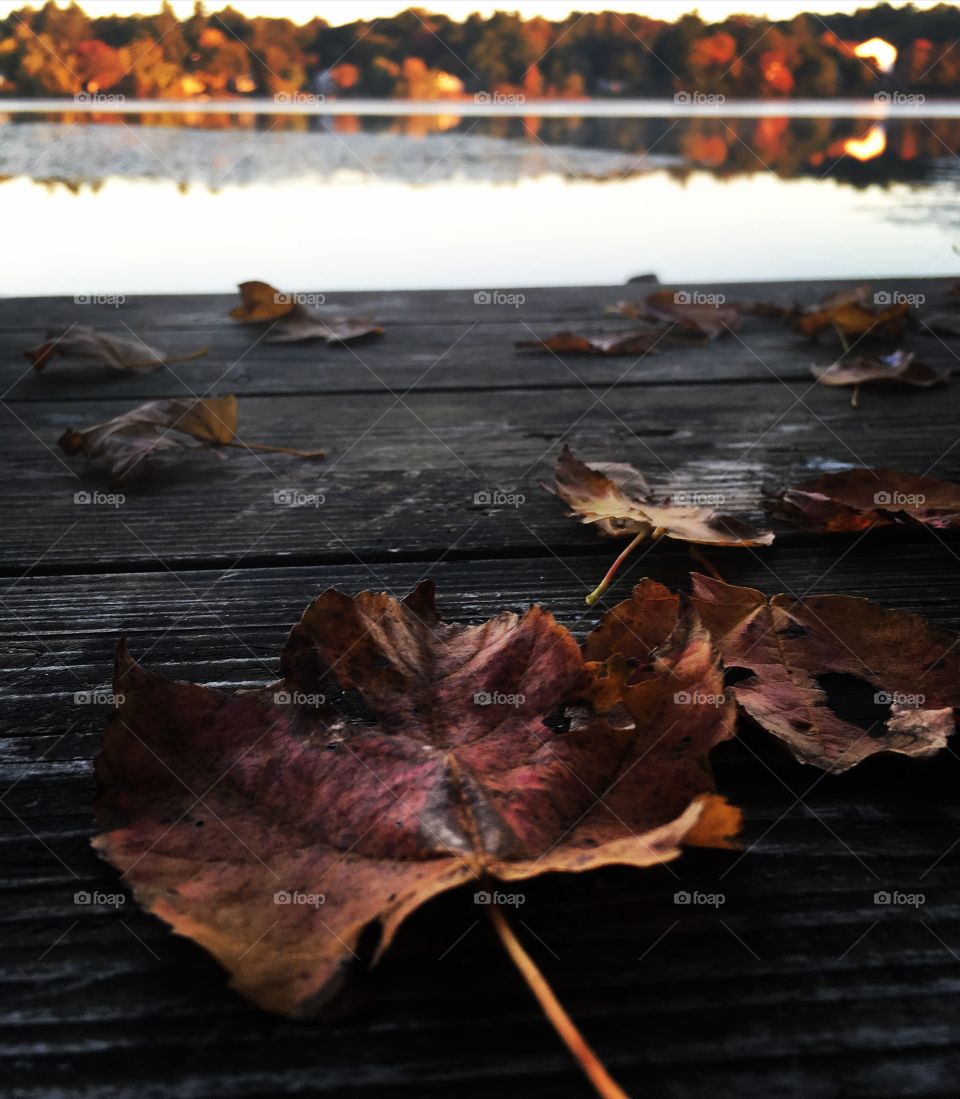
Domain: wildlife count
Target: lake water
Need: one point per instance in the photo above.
(200, 201)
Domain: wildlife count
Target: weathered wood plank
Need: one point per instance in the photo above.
(404, 477)
(436, 346)
(798, 982)
(399, 307)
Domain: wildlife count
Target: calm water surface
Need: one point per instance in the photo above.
(131, 203)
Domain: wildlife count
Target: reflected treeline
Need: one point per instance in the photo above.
(859, 152)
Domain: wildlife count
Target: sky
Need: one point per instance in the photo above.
(346, 11)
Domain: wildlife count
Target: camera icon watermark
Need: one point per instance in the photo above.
(499, 297)
(899, 499)
(698, 499)
(898, 698)
(495, 497)
(698, 698)
(307, 299)
(500, 99)
(484, 897)
(107, 499)
(900, 99)
(300, 99)
(696, 898)
(114, 300)
(698, 99)
(98, 698)
(104, 900)
(896, 897)
(298, 698)
(897, 297)
(698, 297)
(98, 99)
(498, 698)
(296, 498)
(296, 896)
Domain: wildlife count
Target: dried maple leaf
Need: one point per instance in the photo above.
(848, 313)
(317, 827)
(295, 321)
(857, 499)
(615, 498)
(118, 352)
(796, 648)
(898, 368)
(131, 444)
(571, 343)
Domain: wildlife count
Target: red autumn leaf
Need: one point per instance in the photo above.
(119, 352)
(792, 646)
(898, 368)
(615, 498)
(619, 343)
(857, 499)
(274, 830)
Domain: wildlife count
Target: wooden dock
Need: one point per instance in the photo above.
(798, 985)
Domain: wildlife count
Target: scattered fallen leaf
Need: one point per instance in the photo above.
(275, 830)
(302, 323)
(617, 500)
(685, 312)
(857, 499)
(119, 352)
(898, 368)
(620, 343)
(652, 655)
(261, 303)
(131, 444)
(295, 321)
(797, 649)
(699, 317)
(849, 313)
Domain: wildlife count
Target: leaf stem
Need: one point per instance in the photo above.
(592, 1066)
(266, 449)
(706, 563)
(611, 572)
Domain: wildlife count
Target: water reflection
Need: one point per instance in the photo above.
(857, 152)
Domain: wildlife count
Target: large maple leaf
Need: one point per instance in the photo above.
(274, 829)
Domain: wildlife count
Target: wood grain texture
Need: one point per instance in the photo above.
(797, 985)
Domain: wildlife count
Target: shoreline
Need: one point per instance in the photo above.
(306, 104)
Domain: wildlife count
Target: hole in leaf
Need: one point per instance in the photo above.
(855, 700)
(557, 722)
(734, 675)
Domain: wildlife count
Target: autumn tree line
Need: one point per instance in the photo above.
(63, 52)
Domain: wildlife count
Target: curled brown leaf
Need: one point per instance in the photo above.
(857, 499)
(119, 352)
(796, 650)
